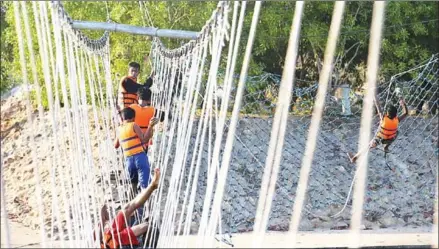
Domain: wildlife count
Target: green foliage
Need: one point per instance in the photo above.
(5, 47)
(410, 36)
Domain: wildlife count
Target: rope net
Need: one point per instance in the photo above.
(223, 171)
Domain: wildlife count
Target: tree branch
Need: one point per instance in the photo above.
(177, 19)
(356, 12)
(353, 57)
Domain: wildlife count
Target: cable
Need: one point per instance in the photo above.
(363, 30)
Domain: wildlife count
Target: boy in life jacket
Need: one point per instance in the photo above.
(118, 234)
(388, 128)
(145, 112)
(131, 138)
(128, 86)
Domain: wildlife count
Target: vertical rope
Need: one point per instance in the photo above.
(36, 85)
(219, 193)
(32, 143)
(48, 35)
(278, 129)
(366, 119)
(316, 118)
(4, 213)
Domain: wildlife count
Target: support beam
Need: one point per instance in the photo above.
(149, 31)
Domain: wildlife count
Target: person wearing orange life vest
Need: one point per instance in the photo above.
(118, 234)
(128, 86)
(388, 130)
(145, 112)
(131, 138)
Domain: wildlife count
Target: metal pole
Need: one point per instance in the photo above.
(149, 31)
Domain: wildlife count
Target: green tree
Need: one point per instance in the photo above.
(410, 36)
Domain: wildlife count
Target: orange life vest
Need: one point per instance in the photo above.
(143, 116)
(127, 98)
(389, 128)
(129, 140)
(108, 242)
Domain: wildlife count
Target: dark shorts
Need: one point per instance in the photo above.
(140, 245)
(379, 140)
(137, 167)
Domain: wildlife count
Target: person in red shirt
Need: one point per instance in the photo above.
(118, 234)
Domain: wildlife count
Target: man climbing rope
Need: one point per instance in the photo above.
(388, 128)
(144, 112)
(131, 138)
(120, 235)
(128, 87)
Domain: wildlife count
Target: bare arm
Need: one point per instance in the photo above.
(378, 107)
(143, 196)
(116, 143)
(144, 137)
(116, 140)
(405, 110)
(150, 131)
(139, 133)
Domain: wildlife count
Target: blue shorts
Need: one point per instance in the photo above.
(137, 167)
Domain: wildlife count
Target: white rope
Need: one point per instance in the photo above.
(165, 155)
(174, 180)
(403, 131)
(197, 152)
(199, 54)
(29, 112)
(78, 137)
(47, 34)
(95, 192)
(313, 133)
(231, 62)
(366, 120)
(230, 69)
(216, 51)
(232, 128)
(174, 147)
(200, 124)
(36, 85)
(172, 197)
(47, 78)
(4, 213)
(88, 160)
(63, 135)
(278, 130)
(30, 118)
(107, 158)
(185, 145)
(71, 139)
(166, 226)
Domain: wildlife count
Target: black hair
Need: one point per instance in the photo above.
(392, 111)
(144, 93)
(135, 65)
(128, 113)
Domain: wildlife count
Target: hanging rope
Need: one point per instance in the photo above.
(189, 150)
(326, 72)
(366, 119)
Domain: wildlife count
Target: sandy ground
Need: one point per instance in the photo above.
(23, 237)
(19, 235)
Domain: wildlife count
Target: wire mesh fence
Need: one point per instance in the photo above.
(393, 199)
